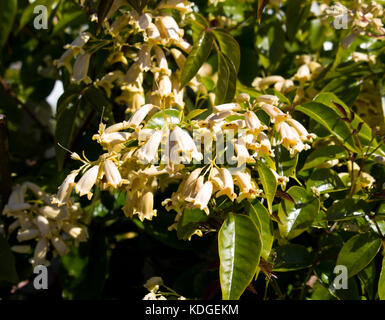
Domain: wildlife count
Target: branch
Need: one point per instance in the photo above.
(26, 109)
(5, 168)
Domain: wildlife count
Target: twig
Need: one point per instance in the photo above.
(5, 168)
(26, 108)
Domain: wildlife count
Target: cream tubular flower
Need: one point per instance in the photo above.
(168, 28)
(43, 225)
(27, 234)
(183, 6)
(226, 107)
(189, 186)
(276, 115)
(59, 245)
(225, 183)
(203, 197)
(164, 85)
(41, 251)
(144, 57)
(264, 145)
(301, 130)
(303, 74)
(252, 122)
(81, 69)
(148, 153)
(77, 45)
(267, 98)
(65, 60)
(146, 206)
(185, 144)
(247, 187)
(65, 189)
(179, 57)
(161, 61)
(87, 181)
(153, 34)
(112, 173)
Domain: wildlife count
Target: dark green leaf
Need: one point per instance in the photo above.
(292, 257)
(239, 245)
(381, 282)
(8, 10)
(157, 120)
(325, 180)
(198, 55)
(259, 214)
(296, 218)
(226, 84)
(331, 120)
(323, 154)
(345, 209)
(269, 183)
(229, 46)
(358, 252)
(7, 265)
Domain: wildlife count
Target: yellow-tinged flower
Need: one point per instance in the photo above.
(112, 173)
(161, 62)
(267, 98)
(146, 206)
(301, 130)
(81, 69)
(226, 107)
(243, 155)
(168, 28)
(27, 234)
(183, 6)
(148, 153)
(247, 186)
(87, 181)
(164, 85)
(253, 124)
(179, 57)
(290, 138)
(77, 45)
(43, 225)
(65, 60)
(264, 147)
(223, 182)
(54, 213)
(144, 57)
(153, 34)
(276, 115)
(59, 245)
(184, 144)
(65, 189)
(107, 81)
(303, 74)
(21, 248)
(203, 197)
(40, 252)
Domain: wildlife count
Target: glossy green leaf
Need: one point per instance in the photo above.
(369, 278)
(229, 46)
(227, 79)
(344, 209)
(239, 245)
(8, 10)
(325, 180)
(296, 13)
(323, 154)
(298, 217)
(331, 120)
(328, 98)
(269, 183)
(198, 55)
(194, 113)
(286, 164)
(261, 217)
(158, 119)
(7, 265)
(189, 222)
(358, 252)
(292, 257)
(67, 124)
(381, 282)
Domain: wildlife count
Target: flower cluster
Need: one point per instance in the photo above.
(37, 218)
(363, 19)
(140, 158)
(308, 70)
(130, 59)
